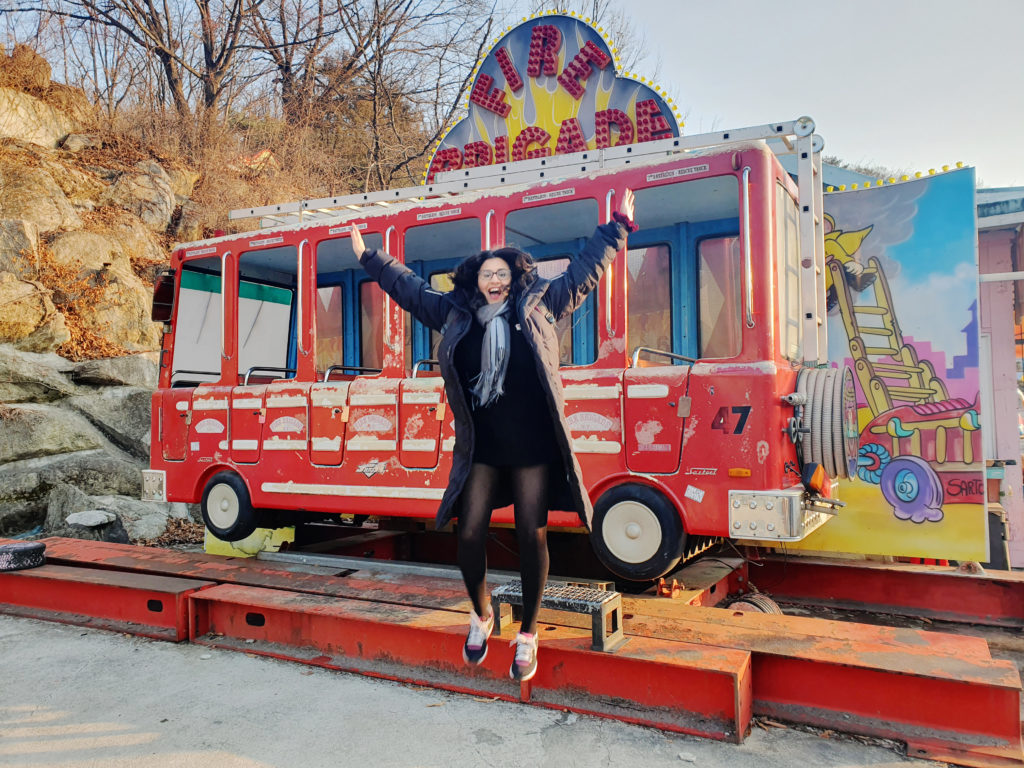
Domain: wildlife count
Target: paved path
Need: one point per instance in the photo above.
(79, 698)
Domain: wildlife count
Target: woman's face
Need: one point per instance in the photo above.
(494, 280)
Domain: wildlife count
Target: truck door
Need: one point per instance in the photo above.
(372, 430)
(287, 419)
(174, 422)
(328, 417)
(208, 428)
(654, 407)
(421, 412)
(247, 417)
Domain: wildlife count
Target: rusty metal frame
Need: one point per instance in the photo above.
(995, 598)
(666, 684)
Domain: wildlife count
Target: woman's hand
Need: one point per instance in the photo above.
(358, 246)
(627, 205)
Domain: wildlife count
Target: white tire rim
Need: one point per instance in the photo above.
(631, 532)
(222, 506)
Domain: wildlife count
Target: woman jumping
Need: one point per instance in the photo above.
(499, 360)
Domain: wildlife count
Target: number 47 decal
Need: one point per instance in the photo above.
(723, 419)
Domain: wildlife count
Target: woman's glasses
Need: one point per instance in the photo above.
(502, 274)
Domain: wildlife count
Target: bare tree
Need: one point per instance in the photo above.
(614, 19)
(190, 38)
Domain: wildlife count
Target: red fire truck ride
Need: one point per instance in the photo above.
(696, 385)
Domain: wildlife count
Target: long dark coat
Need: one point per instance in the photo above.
(538, 305)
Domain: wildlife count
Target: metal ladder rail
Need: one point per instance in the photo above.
(524, 171)
(812, 241)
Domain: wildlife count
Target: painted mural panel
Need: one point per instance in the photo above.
(902, 284)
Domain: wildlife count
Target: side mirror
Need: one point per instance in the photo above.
(163, 297)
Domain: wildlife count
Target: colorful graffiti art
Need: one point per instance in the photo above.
(902, 295)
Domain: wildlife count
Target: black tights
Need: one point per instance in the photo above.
(529, 487)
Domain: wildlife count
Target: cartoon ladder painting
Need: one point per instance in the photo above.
(918, 439)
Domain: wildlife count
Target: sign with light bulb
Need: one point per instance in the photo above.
(549, 87)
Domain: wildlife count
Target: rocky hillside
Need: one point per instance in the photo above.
(85, 224)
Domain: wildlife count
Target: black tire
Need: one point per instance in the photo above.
(19, 555)
(637, 533)
(227, 509)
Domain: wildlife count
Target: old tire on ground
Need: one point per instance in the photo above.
(19, 555)
(637, 533)
(227, 509)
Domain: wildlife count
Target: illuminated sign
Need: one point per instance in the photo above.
(549, 87)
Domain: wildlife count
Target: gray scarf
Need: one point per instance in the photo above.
(494, 353)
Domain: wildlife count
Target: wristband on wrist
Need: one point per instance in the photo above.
(625, 221)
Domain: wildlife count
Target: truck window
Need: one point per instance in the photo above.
(787, 250)
(266, 292)
(197, 326)
(553, 234)
(720, 298)
(433, 251)
(549, 269)
(649, 288)
(683, 276)
(371, 325)
(338, 307)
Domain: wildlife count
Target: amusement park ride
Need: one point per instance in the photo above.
(703, 408)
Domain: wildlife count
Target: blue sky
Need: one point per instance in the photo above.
(906, 84)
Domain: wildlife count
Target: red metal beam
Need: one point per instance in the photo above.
(941, 693)
(938, 592)
(662, 683)
(152, 606)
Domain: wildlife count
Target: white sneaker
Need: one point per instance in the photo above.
(524, 665)
(475, 649)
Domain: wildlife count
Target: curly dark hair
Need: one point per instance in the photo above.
(524, 271)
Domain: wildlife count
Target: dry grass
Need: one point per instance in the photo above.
(178, 532)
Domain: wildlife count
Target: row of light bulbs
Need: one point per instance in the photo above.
(890, 180)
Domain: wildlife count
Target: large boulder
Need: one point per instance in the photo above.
(87, 251)
(76, 142)
(26, 484)
(33, 430)
(128, 371)
(147, 193)
(50, 335)
(31, 194)
(141, 520)
(140, 245)
(122, 414)
(28, 317)
(83, 189)
(121, 314)
(19, 240)
(28, 377)
(27, 118)
(183, 182)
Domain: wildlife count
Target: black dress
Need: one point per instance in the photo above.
(516, 430)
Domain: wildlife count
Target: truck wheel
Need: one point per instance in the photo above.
(227, 509)
(19, 555)
(914, 490)
(638, 535)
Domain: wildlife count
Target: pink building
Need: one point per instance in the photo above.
(1000, 252)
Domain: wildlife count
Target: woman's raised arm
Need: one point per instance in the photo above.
(410, 291)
